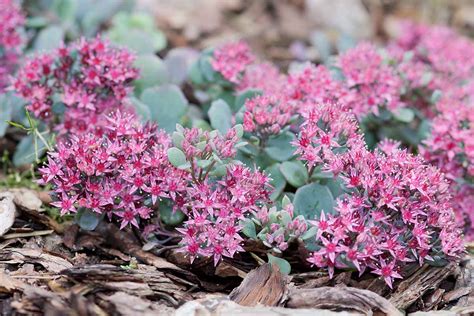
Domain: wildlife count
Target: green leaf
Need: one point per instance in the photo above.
(249, 230)
(309, 233)
(220, 116)
(283, 265)
(311, 199)
(243, 97)
(137, 31)
(277, 180)
(49, 38)
(88, 220)
(176, 157)
(178, 61)
(65, 9)
(141, 109)
(280, 148)
(25, 151)
(168, 216)
(153, 72)
(5, 113)
(167, 105)
(285, 201)
(294, 172)
(404, 115)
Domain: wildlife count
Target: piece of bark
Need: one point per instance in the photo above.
(265, 285)
(50, 262)
(456, 294)
(466, 279)
(342, 299)
(221, 306)
(426, 278)
(126, 243)
(128, 305)
(142, 281)
(7, 212)
(433, 300)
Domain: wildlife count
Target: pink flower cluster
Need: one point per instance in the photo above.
(122, 174)
(329, 133)
(262, 76)
(372, 83)
(11, 40)
(215, 209)
(440, 61)
(367, 83)
(397, 209)
(231, 59)
(267, 114)
(215, 203)
(440, 57)
(89, 77)
(451, 148)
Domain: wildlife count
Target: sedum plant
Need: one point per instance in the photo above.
(300, 158)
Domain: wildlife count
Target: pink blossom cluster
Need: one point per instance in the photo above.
(328, 133)
(439, 58)
(451, 148)
(263, 76)
(397, 209)
(267, 114)
(231, 59)
(89, 77)
(11, 40)
(315, 84)
(367, 84)
(440, 61)
(123, 173)
(215, 203)
(215, 209)
(372, 83)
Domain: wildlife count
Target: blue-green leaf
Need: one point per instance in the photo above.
(280, 148)
(167, 105)
(294, 172)
(311, 199)
(220, 116)
(49, 38)
(277, 180)
(88, 220)
(153, 72)
(283, 265)
(176, 157)
(25, 151)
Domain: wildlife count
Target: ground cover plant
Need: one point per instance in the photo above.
(362, 165)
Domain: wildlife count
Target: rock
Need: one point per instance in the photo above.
(220, 306)
(25, 198)
(7, 212)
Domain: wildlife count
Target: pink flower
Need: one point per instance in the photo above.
(388, 272)
(231, 59)
(11, 39)
(90, 77)
(106, 174)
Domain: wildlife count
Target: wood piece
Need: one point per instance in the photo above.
(49, 261)
(141, 281)
(342, 299)
(264, 285)
(426, 278)
(126, 243)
